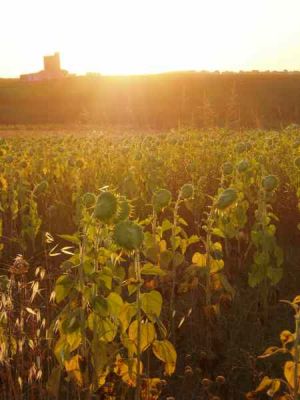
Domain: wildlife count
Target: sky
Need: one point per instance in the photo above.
(149, 36)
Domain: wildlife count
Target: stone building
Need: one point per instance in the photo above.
(52, 70)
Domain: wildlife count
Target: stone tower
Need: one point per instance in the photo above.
(52, 63)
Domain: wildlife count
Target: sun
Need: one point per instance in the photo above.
(131, 37)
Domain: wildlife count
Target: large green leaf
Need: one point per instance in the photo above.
(127, 312)
(63, 286)
(74, 339)
(70, 238)
(148, 334)
(115, 304)
(150, 269)
(105, 329)
(151, 304)
(62, 350)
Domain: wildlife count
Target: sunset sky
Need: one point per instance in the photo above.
(148, 36)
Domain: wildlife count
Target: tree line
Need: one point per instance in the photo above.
(199, 99)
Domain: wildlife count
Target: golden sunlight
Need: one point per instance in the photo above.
(141, 36)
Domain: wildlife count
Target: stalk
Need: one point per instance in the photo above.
(154, 222)
(172, 299)
(137, 266)
(82, 250)
(207, 287)
(297, 356)
(208, 252)
(265, 288)
(208, 279)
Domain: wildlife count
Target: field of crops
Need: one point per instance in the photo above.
(150, 266)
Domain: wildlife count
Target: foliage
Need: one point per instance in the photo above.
(199, 99)
(289, 387)
(123, 256)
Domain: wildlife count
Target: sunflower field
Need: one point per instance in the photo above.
(150, 266)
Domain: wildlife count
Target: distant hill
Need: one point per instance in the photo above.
(264, 100)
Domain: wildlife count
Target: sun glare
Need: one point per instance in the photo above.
(141, 36)
(148, 37)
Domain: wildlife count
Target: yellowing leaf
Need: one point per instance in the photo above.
(164, 351)
(166, 225)
(3, 183)
(270, 351)
(286, 337)
(199, 259)
(218, 232)
(296, 300)
(151, 388)
(127, 370)
(102, 377)
(216, 265)
(264, 384)
(274, 387)
(129, 344)
(289, 373)
(73, 368)
(217, 246)
(162, 246)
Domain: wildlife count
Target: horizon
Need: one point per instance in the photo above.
(120, 75)
(142, 37)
